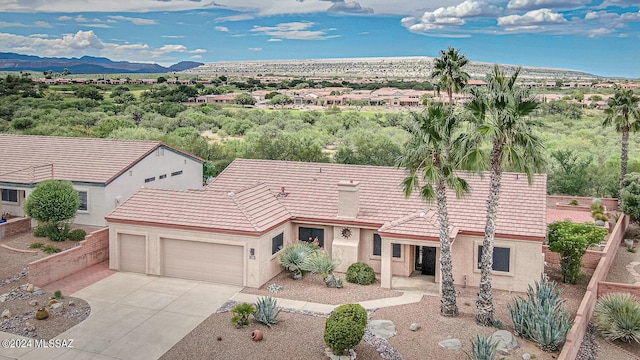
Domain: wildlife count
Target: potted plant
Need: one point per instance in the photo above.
(3, 217)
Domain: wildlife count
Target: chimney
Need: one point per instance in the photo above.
(348, 199)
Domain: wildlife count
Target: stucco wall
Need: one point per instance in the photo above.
(96, 206)
(268, 263)
(93, 250)
(589, 260)
(526, 264)
(15, 208)
(552, 200)
(14, 226)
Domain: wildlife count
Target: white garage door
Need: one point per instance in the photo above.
(202, 261)
(132, 253)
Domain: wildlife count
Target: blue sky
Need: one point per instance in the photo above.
(601, 36)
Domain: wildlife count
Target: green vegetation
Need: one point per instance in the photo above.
(320, 262)
(240, 314)
(345, 327)
(294, 257)
(541, 317)
(630, 195)
(77, 235)
(36, 245)
(483, 348)
(267, 311)
(617, 316)
(50, 249)
(361, 273)
(571, 240)
(53, 202)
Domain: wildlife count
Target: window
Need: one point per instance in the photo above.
(377, 245)
(147, 180)
(83, 201)
(501, 258)
(277, 243)
(10, 195)
(311, 234)
(163, 176)
(397, 250)
(176, 173)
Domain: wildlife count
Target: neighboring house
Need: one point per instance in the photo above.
(104, 171)
(232, 231)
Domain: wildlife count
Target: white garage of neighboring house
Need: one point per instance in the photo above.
(232, 231)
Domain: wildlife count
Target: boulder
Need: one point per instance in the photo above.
(505, 340)
(3, 297)
(451, 344)
(29, 287)
(6, 314)
(33, 302)
(415, 327)
(382, 328)
(56, 306)
(71, 303)
(29, 326)
(526, 356)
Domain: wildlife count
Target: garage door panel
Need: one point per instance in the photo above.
(133, 253)
(195, 260)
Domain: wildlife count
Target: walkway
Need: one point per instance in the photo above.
(81, 279)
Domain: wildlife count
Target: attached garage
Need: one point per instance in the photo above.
(132, 253)
(195, 260)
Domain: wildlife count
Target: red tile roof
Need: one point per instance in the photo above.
(253, 209)
(421, 224)
(30, 159)
(312, 194)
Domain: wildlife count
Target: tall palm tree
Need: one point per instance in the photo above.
(429, 160)
(623, 113)
(499, 114)
(448, 69)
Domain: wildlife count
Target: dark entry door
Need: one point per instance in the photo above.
(426, 260)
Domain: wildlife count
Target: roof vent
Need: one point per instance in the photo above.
(230, 193)
(282, 193)
(422, 214)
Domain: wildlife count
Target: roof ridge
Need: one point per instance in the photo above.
(233, 195)
(412, 216)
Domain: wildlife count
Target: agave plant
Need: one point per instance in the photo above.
(483, 348)
(267, 311)
(617, 317)
(293, 257)
(541, 317)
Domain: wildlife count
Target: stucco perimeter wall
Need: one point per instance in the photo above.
(526, 263)
(269, 264)
(585, 311)
(552, 200)
(589, 260)
(14, 226)
(94, 249)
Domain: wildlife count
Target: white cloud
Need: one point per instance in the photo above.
(4, 24)
(101, 26)
(240, 17)
(42, 36)
(549, 4)
(196, 57)
(198, 51)
(274, 40)
(351, 7)
(64, 18)
(173, 36)
(599, 32)
(222, 28)
(451, 16)
(255, 49)
(81, 19)
(531, 20)
(298, 30)
(137, 21)
(172, 48)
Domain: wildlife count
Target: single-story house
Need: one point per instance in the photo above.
(232, 231)
(104, 171)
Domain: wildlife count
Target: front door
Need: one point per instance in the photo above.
(426, 260)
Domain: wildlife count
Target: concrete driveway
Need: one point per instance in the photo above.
(133, 316)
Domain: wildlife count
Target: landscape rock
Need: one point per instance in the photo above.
(415, 327)
(526, 356)
(33, 302)
(382, 346)
(382, 328)
(506, 341)
(56, 306)
(71, 303)
(30, 287)
(332, 356)
(29, 327)
(451, 344)
(3, 297)
(6, 314)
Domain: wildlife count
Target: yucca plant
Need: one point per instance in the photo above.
(617, 316)
(541, 317)
(267, 311)
(483, 348)
(241, 314)
(322, 263)
(293, 256)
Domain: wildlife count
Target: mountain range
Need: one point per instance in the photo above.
(85, 65)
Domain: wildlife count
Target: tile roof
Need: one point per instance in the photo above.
(312, 194)
(29, 159)
(252, 209)
(421, 224)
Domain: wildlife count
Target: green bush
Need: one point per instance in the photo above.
(483, 349)
(617, 316)
(43, 230)
(77, 235)
(59, 233)
(267, 311)
(58, 295)
(361, 273)
(574, 202)
(345, 327)
(241, 312)
(36, 245)
(50, 249)
(541, 317)
(53, 201)
(293, 257)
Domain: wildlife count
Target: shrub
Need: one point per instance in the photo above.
(597, 209)
(241, 314)
(58, 295)
(573, 202)
(267, 311)
(541, 317)
(618, 317)
(345, 327)
(483, 348)
(600, 223)
(321, 263)
(43, 230)
(293, 257)
(361, 273)
(77, 235)
(53, 201)
(36, 245)
(600, 216)
(59, 232)
(50, 249)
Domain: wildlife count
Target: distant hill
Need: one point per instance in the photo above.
(85, 65)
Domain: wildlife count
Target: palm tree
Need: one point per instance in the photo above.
(429, 161)
(499, 114)
(448, 70)
(623, 113)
